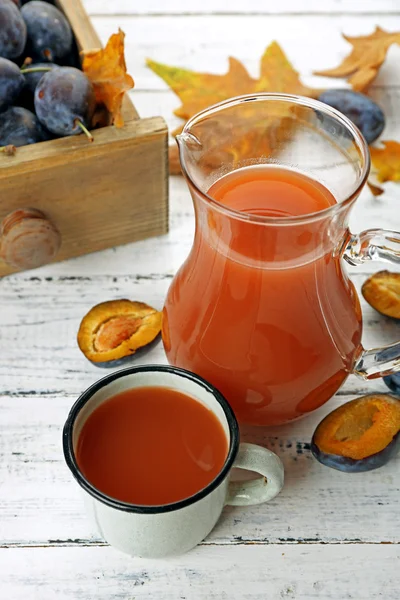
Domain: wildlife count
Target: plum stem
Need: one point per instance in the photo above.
(36, 69)
(85, 130)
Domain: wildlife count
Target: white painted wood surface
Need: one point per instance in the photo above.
(280, 572)
(328, 535)
(261, 7)
(202, 42)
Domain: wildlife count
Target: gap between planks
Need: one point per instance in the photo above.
(22, 277)
(236, 541)
(54, 393)
(344, 13)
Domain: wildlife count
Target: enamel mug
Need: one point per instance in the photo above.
(170, 529)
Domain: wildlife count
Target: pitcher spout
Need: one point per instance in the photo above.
(190, 152)
(189, 146)
(186, 139)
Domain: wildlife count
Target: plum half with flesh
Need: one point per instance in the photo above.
(112, 331)
(361, 435)
(382, 292)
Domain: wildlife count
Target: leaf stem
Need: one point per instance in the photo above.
(85, 130)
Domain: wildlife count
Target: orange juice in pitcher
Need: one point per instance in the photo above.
(262, 307)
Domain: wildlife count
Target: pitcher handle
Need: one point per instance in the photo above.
(380, 245)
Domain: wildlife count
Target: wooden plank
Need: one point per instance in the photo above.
(38, 328)
(267, 573)
(110, 192)
(204, 43)
(213, 7)
(41, 503)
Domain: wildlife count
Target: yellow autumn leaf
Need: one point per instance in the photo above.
(385, 165)
(361, 66)
(106, 69)
(386, 161)
(198, 91)
(374, 188)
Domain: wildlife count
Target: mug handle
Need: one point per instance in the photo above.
(380, 245)
(262, 489)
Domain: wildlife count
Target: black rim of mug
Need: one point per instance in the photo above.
(86, 396)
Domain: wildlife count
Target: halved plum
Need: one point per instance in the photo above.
(112, 331)
(382, 292)
(361, 435)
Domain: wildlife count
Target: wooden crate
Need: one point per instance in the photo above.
(98, 195)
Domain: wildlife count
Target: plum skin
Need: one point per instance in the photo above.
(360, 109)
(20, 127)
(48, 31)
(13, 32)
(125, 360)
(32, 79)
(351, 465)
(63, 97)
(11, 83)
(393, 382)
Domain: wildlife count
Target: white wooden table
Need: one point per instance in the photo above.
(328, 534)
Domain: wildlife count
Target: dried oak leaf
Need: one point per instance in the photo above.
(106, 69)
(198, 91)
(385, 165)
(386, 161)
(374, 188)
(361, 66)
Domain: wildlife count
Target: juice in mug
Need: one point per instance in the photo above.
(151, 446)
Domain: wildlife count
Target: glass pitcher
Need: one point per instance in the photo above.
(262, 307)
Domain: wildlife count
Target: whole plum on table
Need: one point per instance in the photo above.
(65, 101)
(360, 109)
(49, 33)
(13, 32)
(20, 127)
(11, 83)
